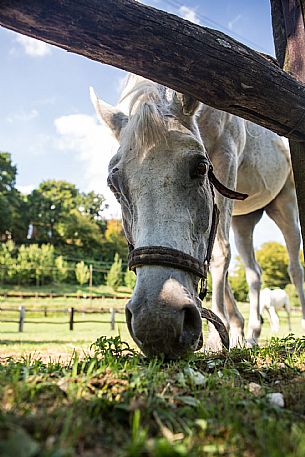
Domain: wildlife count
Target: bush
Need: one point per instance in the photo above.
(60, 273)
(82, 273)
(293, 296)
(7, 262)
(35, 264)
(130, 279)
(114, 276)
(238, 282)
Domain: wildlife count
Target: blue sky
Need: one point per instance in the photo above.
(47, 121)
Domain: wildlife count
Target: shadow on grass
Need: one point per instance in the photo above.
(39, 342)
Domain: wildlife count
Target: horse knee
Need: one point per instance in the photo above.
(253, 278)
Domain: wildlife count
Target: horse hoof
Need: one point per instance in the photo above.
(251, 343)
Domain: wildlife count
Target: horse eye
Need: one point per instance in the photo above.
(202, 169)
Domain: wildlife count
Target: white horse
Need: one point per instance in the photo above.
(272, 300)
(257, 162)
(161, 178)
(165, 184)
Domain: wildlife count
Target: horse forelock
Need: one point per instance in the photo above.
(146, 126)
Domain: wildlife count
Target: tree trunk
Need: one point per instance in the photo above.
(289, 37)
(191, 59)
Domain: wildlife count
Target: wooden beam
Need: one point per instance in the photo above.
(289, 37)
(191, 59)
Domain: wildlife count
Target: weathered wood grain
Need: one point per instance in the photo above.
(186, 57)
(289, 37)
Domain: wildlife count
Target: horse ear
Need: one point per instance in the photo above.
(109, 115)
(186, 104)
(189, 105)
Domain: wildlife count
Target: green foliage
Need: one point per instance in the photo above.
(273, 259)
(7, 261)
(50, 204)
(114, 276)
(130, 279)
(238, 282)
(293, 296)
(60, 273)
(82, 273)
(35, 263)
(80, 230)
(13, 213)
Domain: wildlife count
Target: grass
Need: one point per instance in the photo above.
(54, 339)
(61, 396)
(115, 402)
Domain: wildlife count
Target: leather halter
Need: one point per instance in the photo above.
(162, 255)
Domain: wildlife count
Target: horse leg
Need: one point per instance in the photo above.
(219, 268)
(235, 318)
(284, 212)
(243, 227)
(274, 318)
(225, 162)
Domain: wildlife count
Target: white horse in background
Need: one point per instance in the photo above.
(159, 207)
(273, 300)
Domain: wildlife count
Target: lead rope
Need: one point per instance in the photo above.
(206, 313)
(207, 260)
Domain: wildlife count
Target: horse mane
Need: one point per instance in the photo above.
(146, 126)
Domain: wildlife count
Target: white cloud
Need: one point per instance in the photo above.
(26, 189)
(33, 47)
(94, 146)
(189, 14)
(23, 116)
(234, 21)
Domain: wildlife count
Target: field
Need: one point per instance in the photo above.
(53, 339)
(61, 396)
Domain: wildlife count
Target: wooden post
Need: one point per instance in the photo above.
(289, 39)
(112, 321)
(21, 318)
(71, 322)
(45, 311)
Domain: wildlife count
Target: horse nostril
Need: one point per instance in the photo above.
(191, 326)
(128, 315)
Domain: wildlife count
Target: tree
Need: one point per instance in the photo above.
(92, 205)
(7, 261)
(51, 204)
(80, 230)
(13, 214)
(273, 259)
(115, 239)
(82, 273)
(35, 263)
(130, 279)
(114, 276)
(60, 272)
(238, 282)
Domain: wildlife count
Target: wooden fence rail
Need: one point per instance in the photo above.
(72, 313)
(55, 295)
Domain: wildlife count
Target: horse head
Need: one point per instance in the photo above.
(163, 180)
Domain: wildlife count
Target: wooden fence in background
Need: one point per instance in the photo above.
(71, 312)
